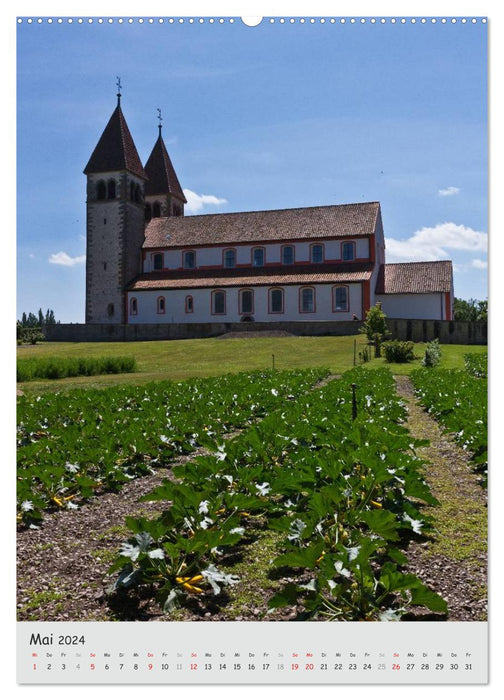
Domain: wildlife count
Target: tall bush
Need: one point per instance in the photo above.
(375, 323)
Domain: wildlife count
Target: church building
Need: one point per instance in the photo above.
(148, 263)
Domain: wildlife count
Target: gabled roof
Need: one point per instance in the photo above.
(415, 277)
(240, 278)
(161, 173)
(341, 220)
(115, 150)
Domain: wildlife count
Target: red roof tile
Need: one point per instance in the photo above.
(340, 220)
(161, 173)
(115, 150)
(415, 277)
(241, 279)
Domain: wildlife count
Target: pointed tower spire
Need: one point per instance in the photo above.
(116, 149)
(163, 183)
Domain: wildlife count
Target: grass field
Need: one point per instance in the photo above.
(181, 359)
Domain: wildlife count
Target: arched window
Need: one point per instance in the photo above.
(156, 210)
(348, 250)
(188, 259)
(340, 298)
(257, 257)
(148, 212)
(161, 305)
(133, 306)
(101, 190)
(157, 261)
(218, 302)
(287, 255)
(246, 301)
(230, 257)
(111, 189)
(317, 253)
(189, 304)
(276, 301)
(306, 300)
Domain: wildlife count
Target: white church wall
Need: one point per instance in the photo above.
(176, 305)
(413, 306)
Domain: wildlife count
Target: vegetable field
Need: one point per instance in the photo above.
(316, 478)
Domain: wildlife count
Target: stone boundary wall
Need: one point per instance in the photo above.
(456, 332)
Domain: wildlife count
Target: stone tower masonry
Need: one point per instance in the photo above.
(115, 221)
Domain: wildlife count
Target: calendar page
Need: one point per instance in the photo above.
(252, 350)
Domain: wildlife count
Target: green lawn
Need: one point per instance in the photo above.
(180, 359)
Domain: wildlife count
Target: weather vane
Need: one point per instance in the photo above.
(119, 86)
(160, 126)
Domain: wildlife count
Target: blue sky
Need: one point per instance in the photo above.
(275, 116)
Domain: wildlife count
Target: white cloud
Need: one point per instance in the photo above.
(64, 259)
(448, 191)
(433, 243)
(479, 264)
(196, 202)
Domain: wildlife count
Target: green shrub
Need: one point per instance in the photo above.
(375, 323)
(399, 351)
(60, 367)
(432, 355)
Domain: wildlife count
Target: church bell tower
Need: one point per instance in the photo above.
(115, 220)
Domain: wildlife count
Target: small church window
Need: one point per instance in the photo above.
(148, 212)
(156, 210)
(348, 250)
(258, 257)
(138, 194)
(276, 301)
(158, 261)
(161, 305)
(230, 257)
(101, 190)
(317, 253)
(111, 189)
(132, 191)
(306, 300)
(133, 306)
(340, 298)
(288, 254)
(189, 304)
(110, 310)
(189, 260)
(218, 302)
(246, 299)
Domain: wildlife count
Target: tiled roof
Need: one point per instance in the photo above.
(278, 224)
(415, 277)
(115, 150)
(161, 173)
(242, 279)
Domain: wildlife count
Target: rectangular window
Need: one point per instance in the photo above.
(258, 257)
(317, 253)
(348, 251)
(307, 304)
(340, 299)
(246, 301)
(189, 260)
(230, 258)
(288, 255)
(276, 301)
(218, 302)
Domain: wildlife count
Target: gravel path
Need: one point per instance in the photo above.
(455, 563)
